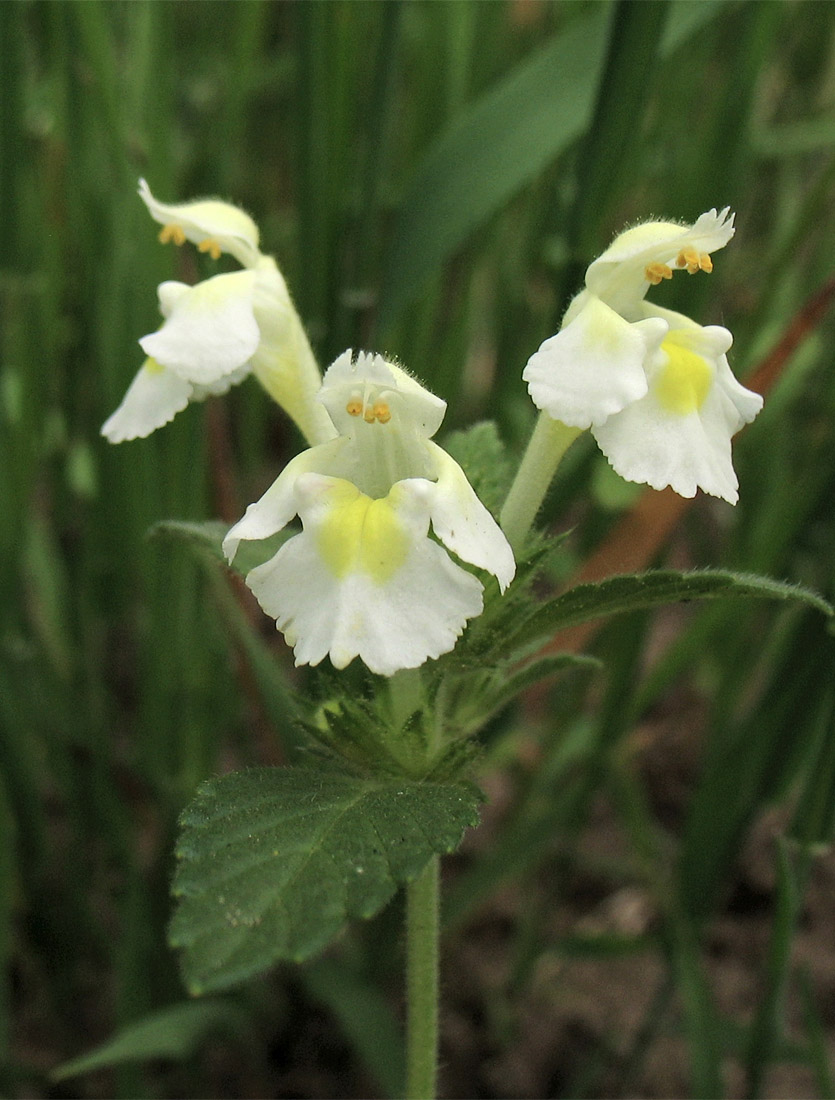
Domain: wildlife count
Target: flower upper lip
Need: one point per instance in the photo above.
(207, 222)
(618, 275)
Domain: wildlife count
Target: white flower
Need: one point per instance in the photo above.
(363, 578)
(654, 387)
(220, 330)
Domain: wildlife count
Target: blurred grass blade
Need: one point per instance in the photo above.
(813, 823)
(8, 853)
(174, 1032)
(612, 145)
(686, 17)
(700, 1019)
(499, 145)
(750, 762)
(765, 1029)
(519, 127)
(818, 1039)
(267, 673)
(366, 1018)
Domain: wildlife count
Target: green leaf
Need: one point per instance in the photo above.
(208, 536)
(495, 148)
(175, 1033)
(480, 452)
(634, 591)
(508, 686)
(274, 861)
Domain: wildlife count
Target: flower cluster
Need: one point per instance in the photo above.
(364, 579)
(654, 387)
(382, 507)
(216, 333)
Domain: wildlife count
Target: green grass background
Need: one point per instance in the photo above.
(433, 178)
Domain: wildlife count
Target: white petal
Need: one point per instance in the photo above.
(711, 230)
(416, 613)
(278, 505)
(222, 385)
(211, 330)
(169, 293)
(154, 398)
(747, 403)
(208, 220)
(647, 443)
(594, 367)
(463, 524)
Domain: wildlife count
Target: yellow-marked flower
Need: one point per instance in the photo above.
(363, 578)
(654, 387)
(217, 332)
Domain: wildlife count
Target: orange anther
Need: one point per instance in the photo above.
(705, 262)
(654, 273)
(172, 233)
(368, 416)
(382, 412)
(211, 246)
(689, 258)
(354, 407)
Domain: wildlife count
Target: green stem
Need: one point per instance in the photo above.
(422, 934)
(549, 442)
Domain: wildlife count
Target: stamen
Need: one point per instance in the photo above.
(211, 246)
(689, 258)
(382, 412)
(368, 415)
(171, 233)
(694, 261)
(654, 273)
(354, 407)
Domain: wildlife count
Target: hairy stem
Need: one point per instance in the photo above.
(548, 443)
(422, 935)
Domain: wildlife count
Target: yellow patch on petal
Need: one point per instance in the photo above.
(152, 366)
(684, 381)
(360, 534)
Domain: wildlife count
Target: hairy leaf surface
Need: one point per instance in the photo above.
(273, 861)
